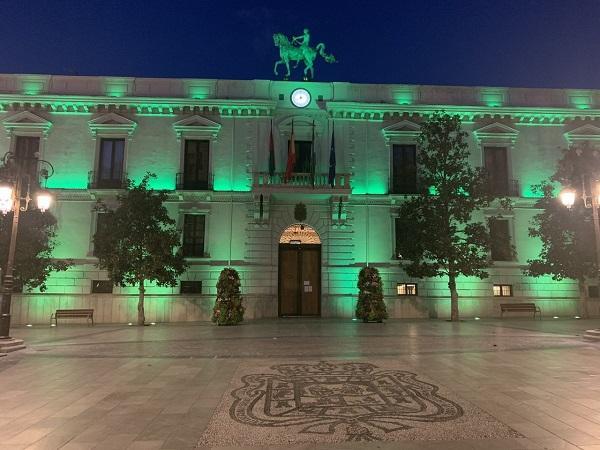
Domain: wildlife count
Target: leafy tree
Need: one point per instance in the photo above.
(138, 241)
(36, 240)
(443, 240)
(228, 309)
(567, 235)
(370, 305)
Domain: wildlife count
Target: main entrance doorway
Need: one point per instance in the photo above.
(299, 272)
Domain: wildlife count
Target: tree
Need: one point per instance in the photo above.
(442, 239)
(370, 305)
(138, 241)
(567, 235)
(36, 240)
(228, 309)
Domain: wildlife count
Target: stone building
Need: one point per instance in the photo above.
(208, 143)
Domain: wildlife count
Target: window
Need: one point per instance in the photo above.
(100, 225)
(303, 156)
(17, 286)
(503, 290)
(195, 165)
(593, 292)
(404, 169)
(193, 235)
(190, 287)
(110, 164)
(102, 286)
(501, 248)
(496, 165)
(27, 151)
(407, 289)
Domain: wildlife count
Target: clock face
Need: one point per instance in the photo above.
(300, 98)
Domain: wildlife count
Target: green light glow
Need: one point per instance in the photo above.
(404, 95)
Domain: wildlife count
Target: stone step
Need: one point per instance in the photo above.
(592, 335)
(11, 345)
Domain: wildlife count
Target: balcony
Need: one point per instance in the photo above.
(95, 181)
(301, 182)
(183, 183)
(505, 188)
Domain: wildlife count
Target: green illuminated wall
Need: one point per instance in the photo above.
(234, 237)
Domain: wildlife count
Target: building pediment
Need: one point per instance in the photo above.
(26, 123)
(112, 124)
(586, 132)
(405, 129)
(198, 127)
(496, 133)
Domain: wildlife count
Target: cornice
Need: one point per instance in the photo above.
(521, 115)
(74, 104)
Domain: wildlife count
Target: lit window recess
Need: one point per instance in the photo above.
(407, 289)
(503, 290)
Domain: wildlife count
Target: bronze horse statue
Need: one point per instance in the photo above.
(289, 52)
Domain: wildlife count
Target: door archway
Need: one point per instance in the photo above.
(299, 271)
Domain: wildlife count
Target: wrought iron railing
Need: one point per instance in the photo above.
(508, 188)
(301, 180)
(183, 183)
(95, 181)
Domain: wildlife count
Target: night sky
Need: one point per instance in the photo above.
(529, 43)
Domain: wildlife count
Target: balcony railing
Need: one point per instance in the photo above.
(183, 183)
(301, 181)
(97, 182)
(510, 188)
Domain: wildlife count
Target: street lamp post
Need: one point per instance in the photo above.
(11, 198)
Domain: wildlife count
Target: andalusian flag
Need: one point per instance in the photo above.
(291, 161)
(271, 153)
(332, 159)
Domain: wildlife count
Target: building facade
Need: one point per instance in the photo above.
(208, 143)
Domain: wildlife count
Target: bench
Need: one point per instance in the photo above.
(521, 307)
(72, 313)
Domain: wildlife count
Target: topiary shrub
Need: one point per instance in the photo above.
(370, 306)
(228, 308)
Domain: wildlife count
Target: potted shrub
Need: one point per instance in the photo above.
(370, 306)
(228, 309)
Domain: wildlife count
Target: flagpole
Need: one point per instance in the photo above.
(313, 156)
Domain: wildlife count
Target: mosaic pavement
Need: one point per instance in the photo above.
(337, 401)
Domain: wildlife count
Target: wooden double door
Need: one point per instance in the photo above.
(299, 279)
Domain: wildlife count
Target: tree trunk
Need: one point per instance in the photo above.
(583, 298)
(141, 316)
(453, 298)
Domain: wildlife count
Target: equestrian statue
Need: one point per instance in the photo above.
(298, 50)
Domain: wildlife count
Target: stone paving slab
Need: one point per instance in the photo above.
(162, 387)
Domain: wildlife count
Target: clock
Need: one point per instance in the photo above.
(300, 98)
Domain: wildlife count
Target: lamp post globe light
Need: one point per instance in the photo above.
(568, 196)
(16, 184)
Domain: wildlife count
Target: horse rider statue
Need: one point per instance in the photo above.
(299, 50)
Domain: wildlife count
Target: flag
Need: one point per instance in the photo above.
(271, 153)
(291, 161)
(331, 178)
(313, 156)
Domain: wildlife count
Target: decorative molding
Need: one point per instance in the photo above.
(526, 115)
(112, 124)
(26, 123)
(587, 132)
(401, 131)
(198, 127)
(147, 106)
(496, 133)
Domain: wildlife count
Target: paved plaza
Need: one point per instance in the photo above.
(305, 384)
